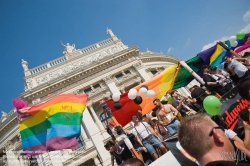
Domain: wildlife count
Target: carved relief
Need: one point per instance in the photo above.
(29, 84)
(75, 65)
(36, 101)
(9, 145)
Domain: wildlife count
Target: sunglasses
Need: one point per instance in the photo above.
(225, 58)
(217, 127)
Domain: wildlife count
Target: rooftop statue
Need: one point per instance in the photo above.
(109, 31)
(68, 48)
(25, 65)
(112, 35)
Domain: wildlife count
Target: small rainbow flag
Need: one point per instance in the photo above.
(53, 125)
(216, 57)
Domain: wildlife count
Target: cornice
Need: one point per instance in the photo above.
(8, 122)
(86, 72)
(159, 58)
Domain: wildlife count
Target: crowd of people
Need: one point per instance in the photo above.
(203, 137)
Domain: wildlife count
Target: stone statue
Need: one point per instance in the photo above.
(68, 48)
(109, 31)
(4, 114)
(25, 65)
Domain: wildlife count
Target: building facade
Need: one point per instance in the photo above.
(98, 70)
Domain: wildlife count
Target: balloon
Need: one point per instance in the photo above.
(240, 35)
(234, 44)
(132, 94)
(117, 105)
(151, 93)
(116, 96)
(232, 39)
(138, 100)
(212, 105)
(170, 99)
(143, 91)
(145, 86)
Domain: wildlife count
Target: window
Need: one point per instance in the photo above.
(97, 86)
(153, 72)
(127, 72)
(119, 76)
(87, 91)
(81, 142)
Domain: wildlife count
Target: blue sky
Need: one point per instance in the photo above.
(32, 30)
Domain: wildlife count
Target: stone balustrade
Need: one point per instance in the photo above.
(63, 59)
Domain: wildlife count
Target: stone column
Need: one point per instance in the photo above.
(87, 140)
(98, 122)
(111, 84)
(139, 67)
(95, 135)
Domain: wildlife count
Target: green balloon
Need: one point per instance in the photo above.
(170, 99)
(240, 35)
(212, 105)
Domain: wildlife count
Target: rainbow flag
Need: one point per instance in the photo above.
(160, 84)
(216, 57)
(53, 125)
(184, 77)
(213, 55)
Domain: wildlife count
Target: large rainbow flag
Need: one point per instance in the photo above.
(53, 125)
(160, 84)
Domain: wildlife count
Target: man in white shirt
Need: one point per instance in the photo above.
(146, 136)
(237, 67)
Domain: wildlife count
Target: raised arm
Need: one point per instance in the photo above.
(62, 44)
(241, 59)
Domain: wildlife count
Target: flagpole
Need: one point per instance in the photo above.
(228, 49)
(196, 76)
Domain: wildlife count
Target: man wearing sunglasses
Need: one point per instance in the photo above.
(206, 141)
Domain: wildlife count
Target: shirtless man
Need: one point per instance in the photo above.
(166, 115)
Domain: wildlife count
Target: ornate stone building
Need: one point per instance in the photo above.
(99, 70)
